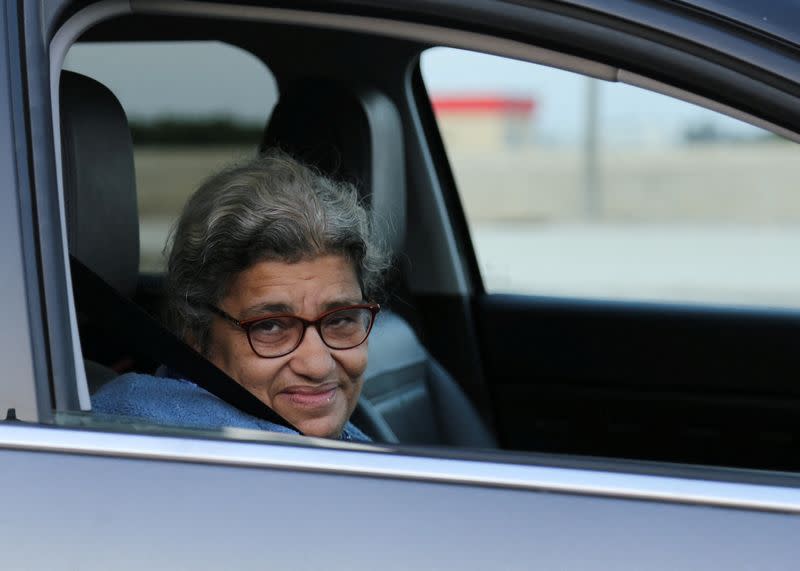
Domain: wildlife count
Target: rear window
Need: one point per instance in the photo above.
(192, 107)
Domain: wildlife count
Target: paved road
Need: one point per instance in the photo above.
(748, 265)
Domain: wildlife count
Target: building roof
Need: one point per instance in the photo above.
(483, 104)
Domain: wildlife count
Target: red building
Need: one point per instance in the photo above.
(483, 121)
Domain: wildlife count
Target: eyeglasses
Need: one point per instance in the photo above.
(274, 336)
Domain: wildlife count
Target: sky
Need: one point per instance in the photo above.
(184, 78)
(627, 114)
(211, 78)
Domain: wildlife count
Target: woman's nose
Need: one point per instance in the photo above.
(312, 358)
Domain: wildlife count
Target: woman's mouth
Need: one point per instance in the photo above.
(311, 396)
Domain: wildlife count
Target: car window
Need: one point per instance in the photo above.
(192, 107)
(578, 187)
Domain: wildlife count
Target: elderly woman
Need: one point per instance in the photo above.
(270, 274)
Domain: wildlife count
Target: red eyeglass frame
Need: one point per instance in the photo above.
(246, 324)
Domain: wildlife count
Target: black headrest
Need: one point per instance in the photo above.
(353, 135)
(99, 181)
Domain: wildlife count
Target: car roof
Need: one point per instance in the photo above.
(779, 18)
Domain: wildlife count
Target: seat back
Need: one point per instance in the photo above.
(351, 135)
(100, 199)
(413, 394)
(99, 181)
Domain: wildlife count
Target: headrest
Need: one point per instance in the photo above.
(351, 135)
(99, 181)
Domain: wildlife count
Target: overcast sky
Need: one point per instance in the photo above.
(210, 78)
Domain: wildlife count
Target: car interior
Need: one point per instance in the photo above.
(449, 364)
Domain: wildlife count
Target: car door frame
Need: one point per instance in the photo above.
(26, 391)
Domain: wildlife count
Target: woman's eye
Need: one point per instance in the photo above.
(340, 320)
(269, 326)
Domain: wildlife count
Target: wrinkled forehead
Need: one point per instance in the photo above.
(270, 256)
(308, 286)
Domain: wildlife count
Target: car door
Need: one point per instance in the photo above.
(95, 499)
(78, 493)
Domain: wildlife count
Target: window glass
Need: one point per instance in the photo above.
(193, 107)
(578, 187)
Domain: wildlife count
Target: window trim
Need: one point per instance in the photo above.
(59, 46)
(25, 386)
(297, 453)
(437, 36)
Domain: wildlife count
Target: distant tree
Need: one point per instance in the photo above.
(703, 133)
(176, 130)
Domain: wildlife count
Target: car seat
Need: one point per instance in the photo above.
(100, 201)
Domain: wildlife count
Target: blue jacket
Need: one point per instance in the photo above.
(178, 402)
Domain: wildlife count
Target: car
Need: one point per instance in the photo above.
(517, 423)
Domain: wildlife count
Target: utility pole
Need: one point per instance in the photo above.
(592, 198)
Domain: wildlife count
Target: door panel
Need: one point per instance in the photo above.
(149, 514)
(648, 381)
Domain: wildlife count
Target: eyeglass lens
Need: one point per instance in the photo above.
(341, 329)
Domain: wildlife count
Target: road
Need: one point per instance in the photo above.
(733, 264)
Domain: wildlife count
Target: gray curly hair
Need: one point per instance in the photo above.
(269, 208)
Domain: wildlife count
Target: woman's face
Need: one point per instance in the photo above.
(314, 387)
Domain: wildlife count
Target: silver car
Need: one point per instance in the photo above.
(517, 423)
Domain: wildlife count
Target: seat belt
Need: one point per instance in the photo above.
(117, 315)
